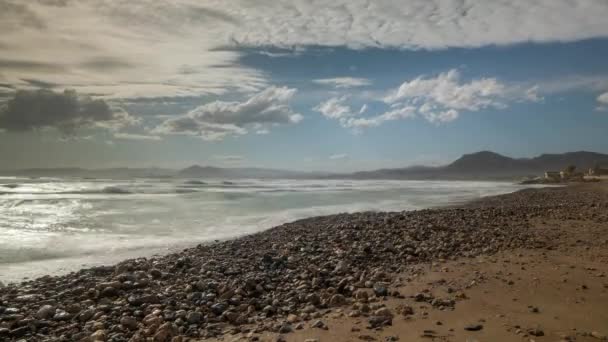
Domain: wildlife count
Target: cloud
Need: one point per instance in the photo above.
(344, 82)
(154, 48)
(602, 100)
(338, 156)
(66, 111)
(219, 119)
(130, 136)
(438, 99)
(447, 90)
(334, 108)
(429, 24)
(229, 158)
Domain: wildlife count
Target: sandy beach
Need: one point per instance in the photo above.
(531, 265)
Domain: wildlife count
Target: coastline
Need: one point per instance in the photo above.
(300, 273)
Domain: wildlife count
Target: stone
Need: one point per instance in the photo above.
(99, 335)
(285, 328)
(194, 317)
(473, 327)
(383, 312)
(380, 291)
(536, 332)
(379, 321)
(318, 324)
(46, 312)
(129, 322)
(109, 292)
(337, 300)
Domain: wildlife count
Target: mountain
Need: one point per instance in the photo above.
(491, 165)
(197, 171)
(479, 165)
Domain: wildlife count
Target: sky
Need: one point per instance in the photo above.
(301, 84)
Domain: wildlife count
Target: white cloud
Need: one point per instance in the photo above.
(338, 156)
(429, 24)
(438, 99)
(150, 48)
(334, 108)
(344, 82)
(229, 158)
(130, 136)
(602, 99)
(219, 119)
(447, 90)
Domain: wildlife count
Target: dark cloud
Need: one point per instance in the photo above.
(106, 64)
(55, 3)
(66, 111)
(15, 15)
(31, 66)
(38, 83)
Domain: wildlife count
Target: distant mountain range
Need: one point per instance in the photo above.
(490, 165)
(480, 165)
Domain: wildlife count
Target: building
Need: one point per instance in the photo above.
(553, 176)
(598, 171)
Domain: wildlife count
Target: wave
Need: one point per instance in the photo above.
(115, 190)
(195, 182)
(11, 186)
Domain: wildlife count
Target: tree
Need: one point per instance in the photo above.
(570, 169)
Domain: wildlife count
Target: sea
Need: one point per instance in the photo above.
(58, 225)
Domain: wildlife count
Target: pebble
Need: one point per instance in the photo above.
(473, 327)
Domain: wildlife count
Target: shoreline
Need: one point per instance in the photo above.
(259, 282)
(65, 263)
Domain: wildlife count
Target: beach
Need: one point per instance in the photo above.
(529, 265)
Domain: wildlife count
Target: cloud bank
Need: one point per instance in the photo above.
(219, 119)
(154, 48)
(66, 111)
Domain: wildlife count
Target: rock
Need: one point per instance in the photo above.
(194, 317)
(380, 291)
(337, 300)
(99, 335)
(379, 321)
(311, 340)
(405, 310)
(155, 273)
(164, 333)
(109, 292)
(598, 335)
(142, 299)
(218, 308)
(280, 339)
(61, 315)
(285, 329)
(362, 296)
(46, 312)
(313, 299)
(129, 322)
(86, 315)
(536, 332)
(20, 332)
(383, 312)
(318, 324)
(291, 318)
(473, 327)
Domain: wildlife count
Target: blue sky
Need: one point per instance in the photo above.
(277, 86)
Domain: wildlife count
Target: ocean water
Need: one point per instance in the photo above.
(53, 226)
